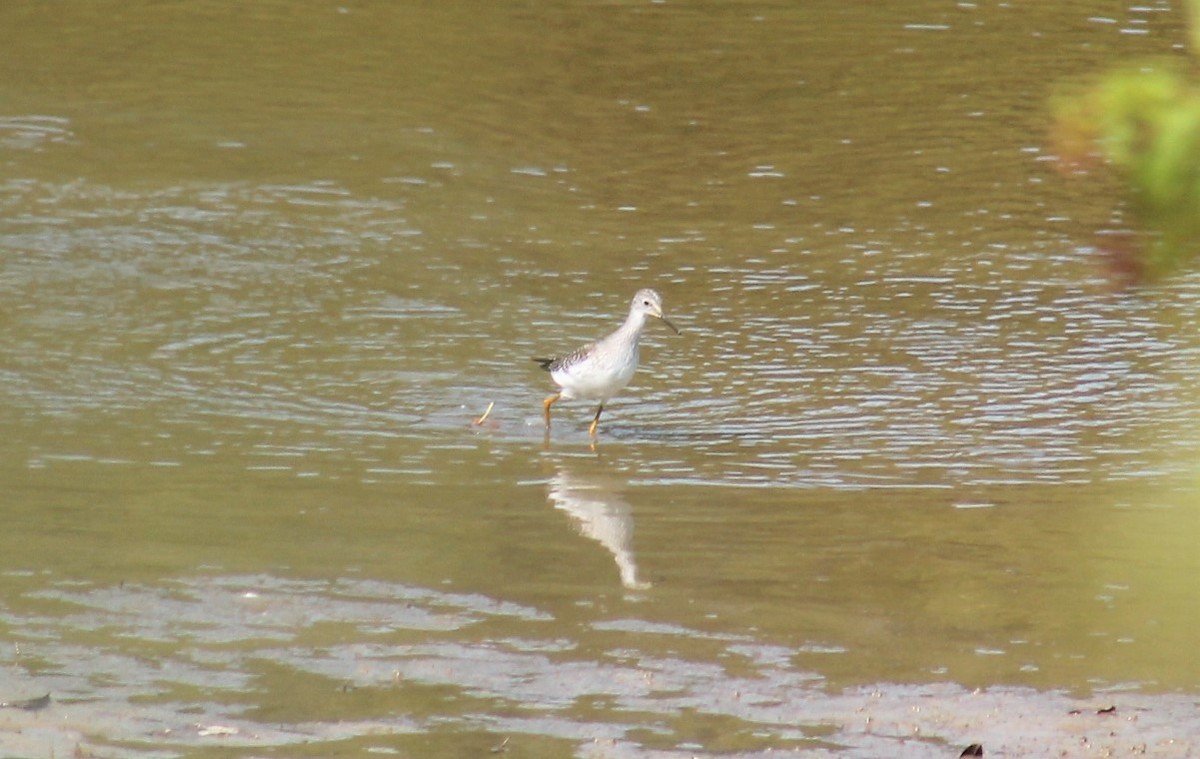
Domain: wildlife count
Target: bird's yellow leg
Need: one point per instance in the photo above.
(546, 404)
(596, 421)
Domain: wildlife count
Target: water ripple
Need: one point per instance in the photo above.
(286, 311)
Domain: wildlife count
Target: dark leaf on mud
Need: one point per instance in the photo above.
(1107, 710)
(975, 749)
(29, 704)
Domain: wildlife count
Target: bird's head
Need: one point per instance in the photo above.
(649, 302)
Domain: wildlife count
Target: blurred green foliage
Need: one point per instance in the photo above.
(1144, 122)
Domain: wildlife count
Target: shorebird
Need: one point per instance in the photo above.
(599, 370)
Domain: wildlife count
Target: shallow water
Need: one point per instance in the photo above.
(262, 267)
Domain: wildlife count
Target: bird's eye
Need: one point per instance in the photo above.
(645, 303)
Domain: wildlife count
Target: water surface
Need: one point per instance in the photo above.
(262, 267)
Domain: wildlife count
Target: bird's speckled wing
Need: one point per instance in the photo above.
(563, 362)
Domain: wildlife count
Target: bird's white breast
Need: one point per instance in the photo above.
(600, 376)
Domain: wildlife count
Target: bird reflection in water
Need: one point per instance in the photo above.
(600, 512)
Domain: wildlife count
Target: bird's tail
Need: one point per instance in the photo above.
(544, 362)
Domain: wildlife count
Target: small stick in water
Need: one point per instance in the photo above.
(479, 422)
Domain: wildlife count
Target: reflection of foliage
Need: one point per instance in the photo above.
(1145, 123)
